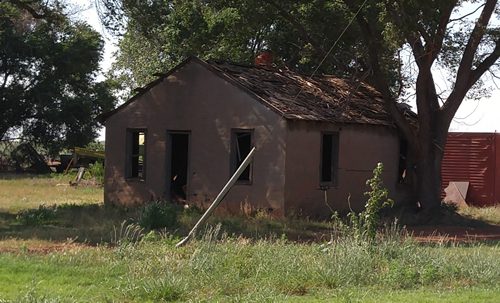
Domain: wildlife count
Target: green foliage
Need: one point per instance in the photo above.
(127, 234)
(95, 146)
(158, 214)
(48, 66)
(37, 216)
(364, 226)
(96, 170)
(377, 199)
(158, 34)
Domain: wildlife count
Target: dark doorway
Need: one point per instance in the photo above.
(179, 150)
(403, 159)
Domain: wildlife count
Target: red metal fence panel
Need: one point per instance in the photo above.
(497, 169)
(472, 157)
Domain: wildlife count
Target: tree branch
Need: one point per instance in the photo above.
(465, 75)
(435, 46)
(373, 40)
(6, 77)
(467, 15)
(475, 38)
(485, 65)
(413, 38)
(26, 5)
(300, 28)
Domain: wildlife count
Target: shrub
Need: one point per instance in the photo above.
(158, 214)
(37, 216)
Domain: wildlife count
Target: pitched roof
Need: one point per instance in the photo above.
(298, 97)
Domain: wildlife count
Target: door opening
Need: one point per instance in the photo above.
(179, 149)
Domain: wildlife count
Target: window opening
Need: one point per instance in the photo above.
(329, 155)
(137, 156)
(242, 144)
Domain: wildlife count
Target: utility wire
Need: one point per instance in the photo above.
(334, 44)
(338, 39)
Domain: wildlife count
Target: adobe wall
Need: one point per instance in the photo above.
(361, 147)
(196, 100)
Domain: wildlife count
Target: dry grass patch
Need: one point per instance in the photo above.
(490, 214)
(18, 192)
(36, 246)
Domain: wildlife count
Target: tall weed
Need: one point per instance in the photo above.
(363, 226)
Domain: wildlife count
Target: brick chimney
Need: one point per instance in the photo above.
(265, 58)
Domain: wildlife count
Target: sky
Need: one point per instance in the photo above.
(473, 115)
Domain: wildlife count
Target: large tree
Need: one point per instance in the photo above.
(456, 36)
(48, 67)
(157, 33)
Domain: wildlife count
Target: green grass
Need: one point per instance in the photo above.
(217, 268)
(465, 295)
(18, 192)
(490, 214)
(82, 251)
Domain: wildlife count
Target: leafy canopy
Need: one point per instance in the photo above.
(157, 34)
(48, 68)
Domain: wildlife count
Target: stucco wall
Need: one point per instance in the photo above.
(196, 100)
(360, 148)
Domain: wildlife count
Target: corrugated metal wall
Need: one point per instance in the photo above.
(474, 157)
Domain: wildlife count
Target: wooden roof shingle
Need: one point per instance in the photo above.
(294, 96)
(323, 98)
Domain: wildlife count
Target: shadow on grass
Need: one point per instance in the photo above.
(300, 230)
(90, 223)
(98, 223)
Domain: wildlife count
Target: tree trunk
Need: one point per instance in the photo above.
(428, 170)
(429, 180)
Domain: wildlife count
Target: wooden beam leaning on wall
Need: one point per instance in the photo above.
(219, 197)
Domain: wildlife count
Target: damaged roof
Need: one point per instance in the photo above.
(295, 96)
(320, 98)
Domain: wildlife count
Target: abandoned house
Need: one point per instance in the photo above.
(183, 135)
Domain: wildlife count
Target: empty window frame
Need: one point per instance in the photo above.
(136, 158)
(241, 144)
(329, 158)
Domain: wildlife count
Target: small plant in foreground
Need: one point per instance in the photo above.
(364, 225)
(127, 234)
(377, 200)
